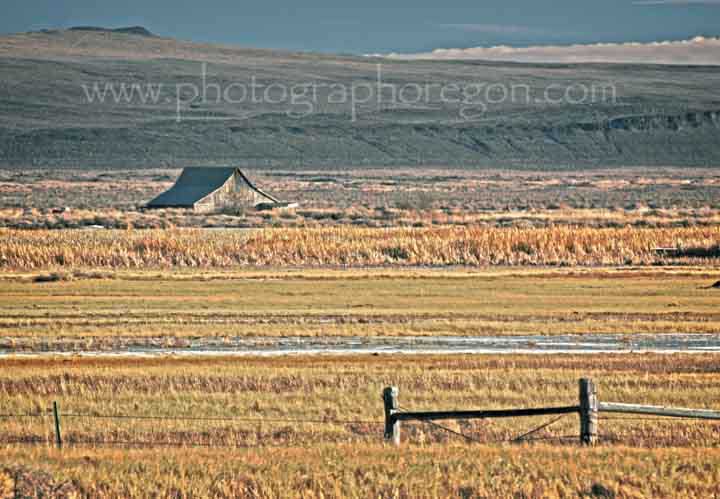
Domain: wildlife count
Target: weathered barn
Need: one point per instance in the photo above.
(206, 189)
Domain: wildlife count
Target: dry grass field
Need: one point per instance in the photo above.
(341, 453)
(368, 254)
(104, 310)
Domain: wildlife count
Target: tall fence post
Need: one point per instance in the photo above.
(588, 412)
(58, 436)
(392, 425)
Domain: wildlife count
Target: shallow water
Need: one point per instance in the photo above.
(528, 344)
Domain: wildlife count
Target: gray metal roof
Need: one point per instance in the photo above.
(194, 184)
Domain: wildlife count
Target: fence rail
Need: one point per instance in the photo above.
(654, 410)
(509, 413)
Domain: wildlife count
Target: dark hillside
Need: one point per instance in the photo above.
(559, 116)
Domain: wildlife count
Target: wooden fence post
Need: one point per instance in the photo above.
(58, 436)
(392, 425)
(588, 412)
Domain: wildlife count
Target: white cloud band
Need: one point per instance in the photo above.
(699, 50)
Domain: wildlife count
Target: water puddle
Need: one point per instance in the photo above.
(271, 346)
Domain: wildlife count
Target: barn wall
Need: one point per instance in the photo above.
(234, 193)
(244, 195)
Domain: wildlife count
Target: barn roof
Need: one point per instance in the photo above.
(195, 183)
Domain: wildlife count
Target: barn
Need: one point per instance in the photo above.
(209, 189)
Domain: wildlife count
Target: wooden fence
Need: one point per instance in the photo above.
(588, 409)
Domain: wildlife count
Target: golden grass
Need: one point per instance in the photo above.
(346, 246)
(370, 471)
(103, 293)
(291, 460)
(343, 389)
(170, 308)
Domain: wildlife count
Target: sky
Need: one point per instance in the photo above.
(382, 26)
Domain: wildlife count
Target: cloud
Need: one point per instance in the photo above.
(677, 2)
(699, 50)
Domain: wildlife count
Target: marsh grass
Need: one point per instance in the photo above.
(357, 247)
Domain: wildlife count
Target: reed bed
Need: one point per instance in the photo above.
(347, 246)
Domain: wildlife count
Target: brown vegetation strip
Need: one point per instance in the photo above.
(647, 363)
(357, 247)
(21, 320)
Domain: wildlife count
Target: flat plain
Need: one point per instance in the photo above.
(420, 253)
(304, 426)
(100, 310)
